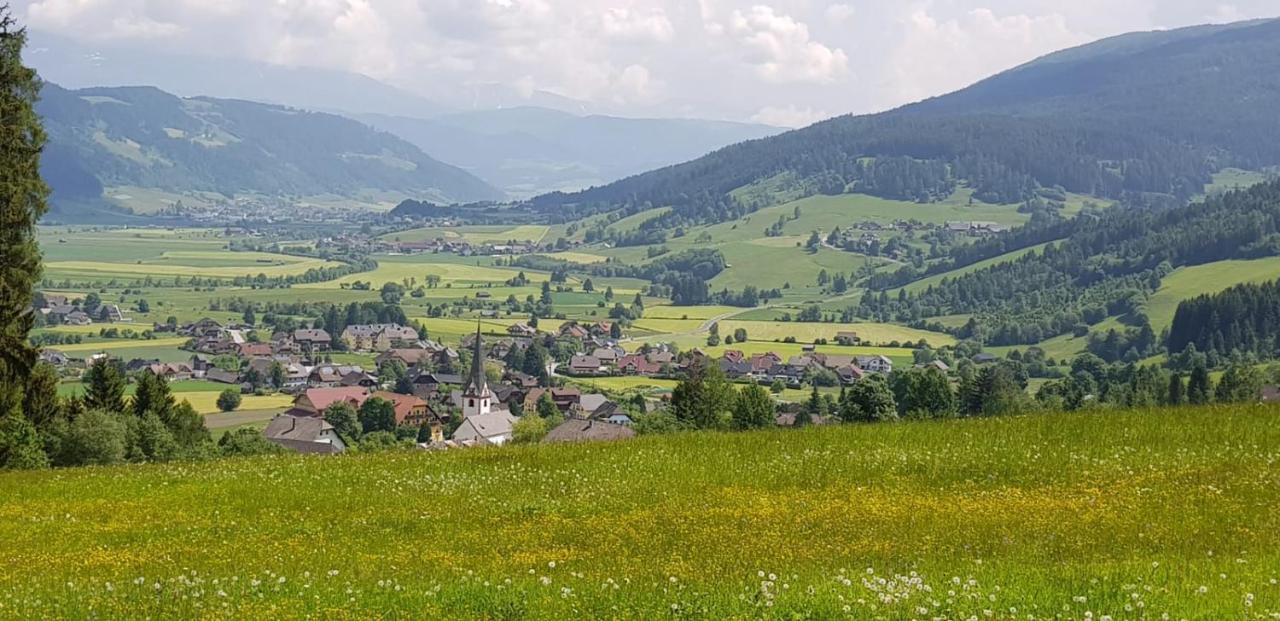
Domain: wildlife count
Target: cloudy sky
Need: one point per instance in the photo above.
(784, 62)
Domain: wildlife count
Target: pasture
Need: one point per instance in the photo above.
(1190, 282)
(1123, 515)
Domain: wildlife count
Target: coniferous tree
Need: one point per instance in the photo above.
(22, 202)
(1177, 390)
(1200, 386)
(104, 387)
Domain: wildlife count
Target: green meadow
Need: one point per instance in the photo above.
(1121, 515)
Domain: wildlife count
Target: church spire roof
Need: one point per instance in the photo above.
(477, 383)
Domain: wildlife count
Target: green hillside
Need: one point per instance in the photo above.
(151, 141)
(1157, 118)
(1166, 512)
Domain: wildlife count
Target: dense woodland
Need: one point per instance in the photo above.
(1242, 319)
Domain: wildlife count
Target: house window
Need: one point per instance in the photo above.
(471, 403)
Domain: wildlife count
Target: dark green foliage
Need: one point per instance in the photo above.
(377, 414)
(1106, 266)
(1200, 387)
(923, 393)
(247, 442)
(229, 400)
(345, 421)
(104, 386)
(22, 203)
(93, 438)
(41, 404)
(753, 408)
(869, 400)
(1242, 383)
(704, 399)
(1245, 318)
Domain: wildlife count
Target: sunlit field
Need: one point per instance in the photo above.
(1122, 515)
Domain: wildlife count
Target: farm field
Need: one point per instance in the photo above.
(203, 396)
(1116, 514)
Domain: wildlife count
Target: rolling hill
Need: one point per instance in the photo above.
(142, 137)
(1149, 114)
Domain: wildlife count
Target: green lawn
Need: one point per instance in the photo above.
(1124, 515)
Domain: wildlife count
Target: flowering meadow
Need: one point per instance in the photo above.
(1117, 515)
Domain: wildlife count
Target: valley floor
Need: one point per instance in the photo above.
(1119, 514)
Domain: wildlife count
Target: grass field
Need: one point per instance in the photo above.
(1123, 515)
(1189, 282)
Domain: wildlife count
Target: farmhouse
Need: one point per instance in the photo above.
(874, 364)
(377, 337)
(576, 430)
(585, 365)
(304, 434)
(314, 401)
(312, 340)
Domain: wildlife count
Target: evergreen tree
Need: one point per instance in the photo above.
(41, 404)
(152, 396)
(1200, 387)
(104, 386)
(704, 399)
(22, 202)
(1242, 383)
(1177, 389)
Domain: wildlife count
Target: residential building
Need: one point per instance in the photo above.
(577, 430)
(304, 434)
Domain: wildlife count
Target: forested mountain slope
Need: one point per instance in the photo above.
(1157, 115)
(147, 138)
(1105, 265)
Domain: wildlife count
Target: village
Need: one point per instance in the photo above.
(469, 394)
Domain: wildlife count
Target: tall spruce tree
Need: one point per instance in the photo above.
(22, 202)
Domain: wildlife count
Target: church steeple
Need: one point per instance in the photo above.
(478, 386)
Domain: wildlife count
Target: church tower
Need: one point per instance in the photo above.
(477, 398)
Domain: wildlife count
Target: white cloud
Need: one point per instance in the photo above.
(839, 12)
(781, 50)
(649, 26)
(784, 62)
(789, 116)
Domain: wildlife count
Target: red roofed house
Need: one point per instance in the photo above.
(314, 401)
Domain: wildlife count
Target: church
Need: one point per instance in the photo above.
(484, 419)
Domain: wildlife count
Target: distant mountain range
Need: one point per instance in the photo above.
(146, 138)
(1141, 114)
(527, 150)
(523, 143)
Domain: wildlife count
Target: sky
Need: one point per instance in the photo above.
(781, 62)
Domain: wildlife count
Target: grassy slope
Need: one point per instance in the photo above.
(1046, 514)
(1189, 282)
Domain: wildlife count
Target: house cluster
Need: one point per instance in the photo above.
(482, 410)
(463, 248)
(609, 358)
(58, 309)
(976, 228)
